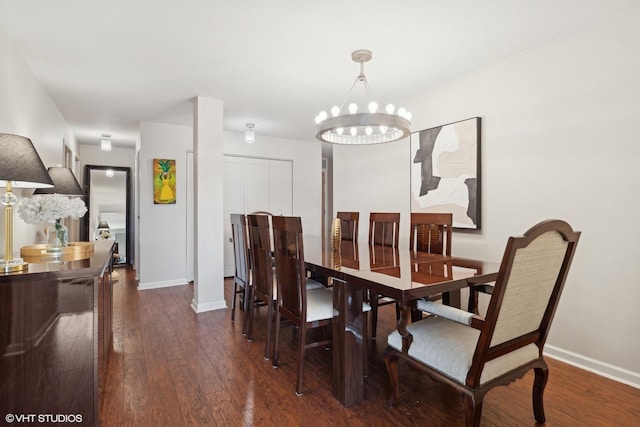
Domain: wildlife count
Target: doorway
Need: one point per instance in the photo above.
(108, 192)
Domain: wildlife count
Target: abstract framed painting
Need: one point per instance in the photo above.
(164, 182)
(445, 171)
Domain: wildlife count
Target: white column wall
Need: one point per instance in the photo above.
(208, 210)
(560, 126)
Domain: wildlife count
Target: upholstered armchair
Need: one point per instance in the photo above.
(475, 354)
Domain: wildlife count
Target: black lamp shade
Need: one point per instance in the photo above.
(21, 164)
(103, 225)
(64, 182)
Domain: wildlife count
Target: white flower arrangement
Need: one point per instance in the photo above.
(50, 208)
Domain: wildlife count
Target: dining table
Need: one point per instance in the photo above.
(401, 274)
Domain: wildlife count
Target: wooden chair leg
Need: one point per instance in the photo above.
(301, 353)
(234, 295)
(248, 316)
(374, 314)
(275, 344)
(391, 362)
(267, 349)
(365, 339)
(472, 410)
(539, 383)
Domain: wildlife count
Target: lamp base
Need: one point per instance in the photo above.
(16, 264)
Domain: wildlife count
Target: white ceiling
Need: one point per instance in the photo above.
(110, 64)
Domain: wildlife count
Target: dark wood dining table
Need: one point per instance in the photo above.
(397, 273)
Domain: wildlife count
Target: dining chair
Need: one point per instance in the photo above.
(349, 225)
(305, 308)
(383, 232)
(263, 292)
(473, 354)
(430, 233)
(384, 228)
(241, 258)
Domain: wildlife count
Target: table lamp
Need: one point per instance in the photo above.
(20, 167)
(64, 182)
(103, 230)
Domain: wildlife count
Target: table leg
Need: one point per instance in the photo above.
(348, 343)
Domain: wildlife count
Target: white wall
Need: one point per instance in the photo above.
(162, 228)
(162, 241)
(93, 155)
(560, 126)
(27, 110)
(307, 171)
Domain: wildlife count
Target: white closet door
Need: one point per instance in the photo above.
(233, 203)
(252, 185)
(256, 185)
(280, 187)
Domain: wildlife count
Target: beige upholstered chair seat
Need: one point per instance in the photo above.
(448, 347)
(312, 284)
(320, 304)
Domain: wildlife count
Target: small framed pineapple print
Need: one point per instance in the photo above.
(164, 182)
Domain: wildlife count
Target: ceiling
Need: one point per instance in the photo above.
(110, 64)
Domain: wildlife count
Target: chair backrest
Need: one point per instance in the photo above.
(384, 228)
(261, 259)
(290, 271)
(349, 225)
(431, 232)
(526, 294)
(240, 254)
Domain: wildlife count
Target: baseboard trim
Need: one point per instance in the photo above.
(165, 284)
(208, 306)
(595, 366)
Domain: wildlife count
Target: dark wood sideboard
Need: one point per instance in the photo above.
(55, 337)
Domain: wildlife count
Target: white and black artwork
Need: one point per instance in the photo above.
(445, 171)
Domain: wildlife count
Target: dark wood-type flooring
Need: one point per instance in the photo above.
(172, 367)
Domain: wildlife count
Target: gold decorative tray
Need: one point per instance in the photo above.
(39, 253)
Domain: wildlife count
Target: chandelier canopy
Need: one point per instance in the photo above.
(372, 127)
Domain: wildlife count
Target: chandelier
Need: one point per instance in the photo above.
(372, 127)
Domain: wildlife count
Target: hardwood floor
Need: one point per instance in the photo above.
(171, 367)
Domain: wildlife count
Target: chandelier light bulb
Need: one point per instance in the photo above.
(354, 131)
(335, 110)
(408, 116)
(383, 129)
(322, 115)
(339, 131)
(390, 109)
(368, 131)
(373, 107)
(353, 107)
(402, 112)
